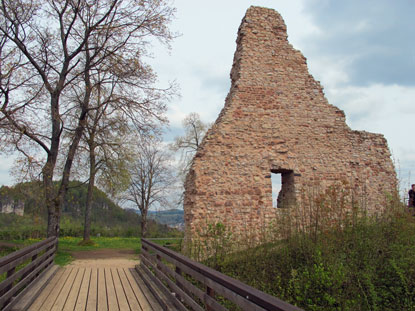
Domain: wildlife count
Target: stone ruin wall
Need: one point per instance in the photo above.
(276, 119)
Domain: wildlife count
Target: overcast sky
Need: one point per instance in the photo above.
(363, 52)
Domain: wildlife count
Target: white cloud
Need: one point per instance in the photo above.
(175, 115)
(329, 70)
(360, 57)
(201, 58)
(385, 109)
(6, 162)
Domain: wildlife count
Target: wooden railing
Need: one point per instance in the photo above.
(18, 280)
(176, 275)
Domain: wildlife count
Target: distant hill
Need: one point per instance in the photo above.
(107, 216)
(30, 196)
(173, 218)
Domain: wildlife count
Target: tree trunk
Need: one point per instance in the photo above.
(144, 224)
(52, 204)
(49, 193)
(53, 222)
(92, 171)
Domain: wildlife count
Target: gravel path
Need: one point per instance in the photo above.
(105, 258)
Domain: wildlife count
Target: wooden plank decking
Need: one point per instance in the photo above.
(92, 288)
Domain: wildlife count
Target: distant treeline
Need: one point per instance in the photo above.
(108, 219)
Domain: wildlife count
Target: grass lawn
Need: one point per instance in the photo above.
(70, 244)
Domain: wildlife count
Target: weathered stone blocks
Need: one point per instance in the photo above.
(277, 120)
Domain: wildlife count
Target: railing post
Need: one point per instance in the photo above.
(6, 289)
(178, 271)
(10, 273)
(53, 246)
(158, 257)
(210, 292)
(144, 247)
(33, 268)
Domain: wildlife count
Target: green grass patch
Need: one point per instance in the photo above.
(67, 245)
(86, 243)
(20, 243)
(75, 244)
(173, 244)
(7, 250)
(368, 265)
(63, 258)
(72, 243)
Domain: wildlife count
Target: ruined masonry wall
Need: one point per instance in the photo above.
(276, 118)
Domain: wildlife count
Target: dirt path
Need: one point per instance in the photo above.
(122, 258)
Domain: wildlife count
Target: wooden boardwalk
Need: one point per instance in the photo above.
(165, 280)
(96, 288)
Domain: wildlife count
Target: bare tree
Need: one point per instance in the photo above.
(151, 179)
(48, 50)
(195, 129)
(110, 132)
(105, 144)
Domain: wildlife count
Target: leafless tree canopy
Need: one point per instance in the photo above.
(194, 131)
(52, 53)
(151, 179)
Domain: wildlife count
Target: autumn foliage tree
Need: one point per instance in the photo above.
(49, 54)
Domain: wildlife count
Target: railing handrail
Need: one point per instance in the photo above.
(17, 282)
(254, 295)
(17, 254)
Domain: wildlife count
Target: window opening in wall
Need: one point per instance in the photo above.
(283, 190)
(276, 188)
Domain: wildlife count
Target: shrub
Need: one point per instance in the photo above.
(339, 259)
